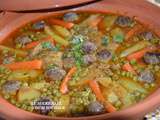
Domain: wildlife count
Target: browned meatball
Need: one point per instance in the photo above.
(89, 59)
(55, 73)
(152, 58)
(146, 76)
(123, 21)
(23, 40)
(38, 25)
(11, 86)
(95, 108)
(43, 105)
(104, 55)
(89, 47)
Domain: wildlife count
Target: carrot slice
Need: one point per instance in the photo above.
(96, 89)
(29, 65)
(132, 32)
(64, 85)
(62, 23)
(95, 22)
(129, 68)
(35, 43)
(138, 55)
(141, 53)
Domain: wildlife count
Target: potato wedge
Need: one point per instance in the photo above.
(27, 94)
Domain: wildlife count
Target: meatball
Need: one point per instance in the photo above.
(8, 59)
(146, 76)
(38, 25)
(70, 17)
(68, 62)
(55, 73)
(95, 108)
(104, 55)
(89, 59)
(152, 58)
(123, 21)
(43, 105)
(11, 86)
(146, 35)
(89, 47)
(23, 40)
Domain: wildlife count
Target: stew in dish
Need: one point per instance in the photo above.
(79, 64)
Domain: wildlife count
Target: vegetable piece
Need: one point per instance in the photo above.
(62, 23)
(118, 35)
(35, 43)
(138, 46)
(56, 37)
(62, 31)
(27, 65)
(96, 21)
(129, 68)
(12, 50)
(131, 85)
(24, 75)
(96, 89)
(105, 81)
(132, 32)
(64, 84)
(139, 54)
(93, 20)
(27, 94)
(108, 21)
(64, 104)
(39, 85)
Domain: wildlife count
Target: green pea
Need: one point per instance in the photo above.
(133, 62)
(6, 96)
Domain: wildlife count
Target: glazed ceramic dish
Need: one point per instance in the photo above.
(131, 9)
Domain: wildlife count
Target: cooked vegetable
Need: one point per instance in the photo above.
(24, 75)
(35, 43)
(129, 68)
(139, 54)
(132, 85)
(15, 51)
(118, 35)
(96, 89)
(56, 37)
(64, 104)
(30, 65)
(138, 46)
(132, 32)
(27, 94)
(62, 31)
(64, 85)
(109, 21)
(62, 23)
